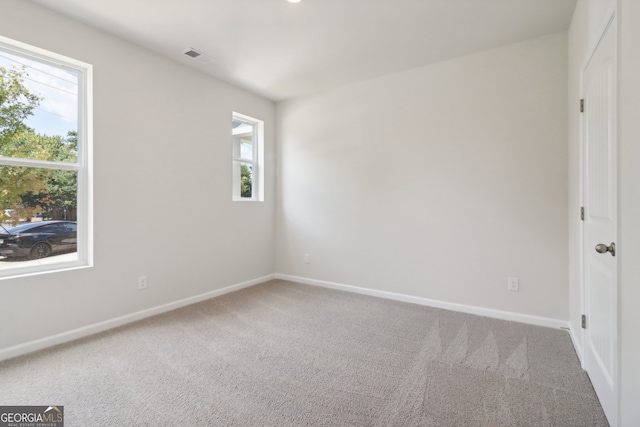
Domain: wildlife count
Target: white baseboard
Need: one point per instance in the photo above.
(19, 350)
(480, 311)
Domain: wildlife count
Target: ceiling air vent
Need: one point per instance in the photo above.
(198, 56)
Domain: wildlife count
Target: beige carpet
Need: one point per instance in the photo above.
(284, 354)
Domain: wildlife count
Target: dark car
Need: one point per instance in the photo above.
(38, 239)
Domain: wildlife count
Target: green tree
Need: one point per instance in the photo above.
(17, 140)
(60, 191)
(245, 181)
(26, 190)
(16, 104)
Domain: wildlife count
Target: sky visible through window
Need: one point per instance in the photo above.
(246, 144)
(246, 150)
(57, 113)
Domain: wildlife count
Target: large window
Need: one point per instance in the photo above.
(247, 138)
(45, 161)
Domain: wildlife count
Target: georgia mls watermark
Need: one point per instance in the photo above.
(31, 416)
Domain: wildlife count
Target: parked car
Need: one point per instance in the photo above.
(38, 239)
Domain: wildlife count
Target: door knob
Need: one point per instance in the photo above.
(601, 248)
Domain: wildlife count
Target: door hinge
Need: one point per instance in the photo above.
(582, 105)
(584, 322)
(582, 213)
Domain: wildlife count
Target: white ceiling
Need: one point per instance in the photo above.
(282, 50)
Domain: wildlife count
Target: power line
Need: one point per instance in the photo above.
(37, 69)
(56, 114)
(53, 87)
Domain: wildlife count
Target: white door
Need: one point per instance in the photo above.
(600, 187)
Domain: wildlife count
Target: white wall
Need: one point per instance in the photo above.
(162, 186)
(438, 182)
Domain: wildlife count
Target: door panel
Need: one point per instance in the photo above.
(601, 321)
(600, 227)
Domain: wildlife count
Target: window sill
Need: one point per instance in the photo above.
(245, 199)
(52, 264)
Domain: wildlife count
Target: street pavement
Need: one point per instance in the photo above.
(8, 263)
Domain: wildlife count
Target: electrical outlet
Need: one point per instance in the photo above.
(513, 284)
(307, 259)
(142, 282)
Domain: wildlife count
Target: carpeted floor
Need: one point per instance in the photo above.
(285, 354)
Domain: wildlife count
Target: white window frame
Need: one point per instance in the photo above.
(257, 162)
(83, 166)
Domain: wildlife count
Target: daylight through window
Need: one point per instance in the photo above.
(45, 159)
(247, 137)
